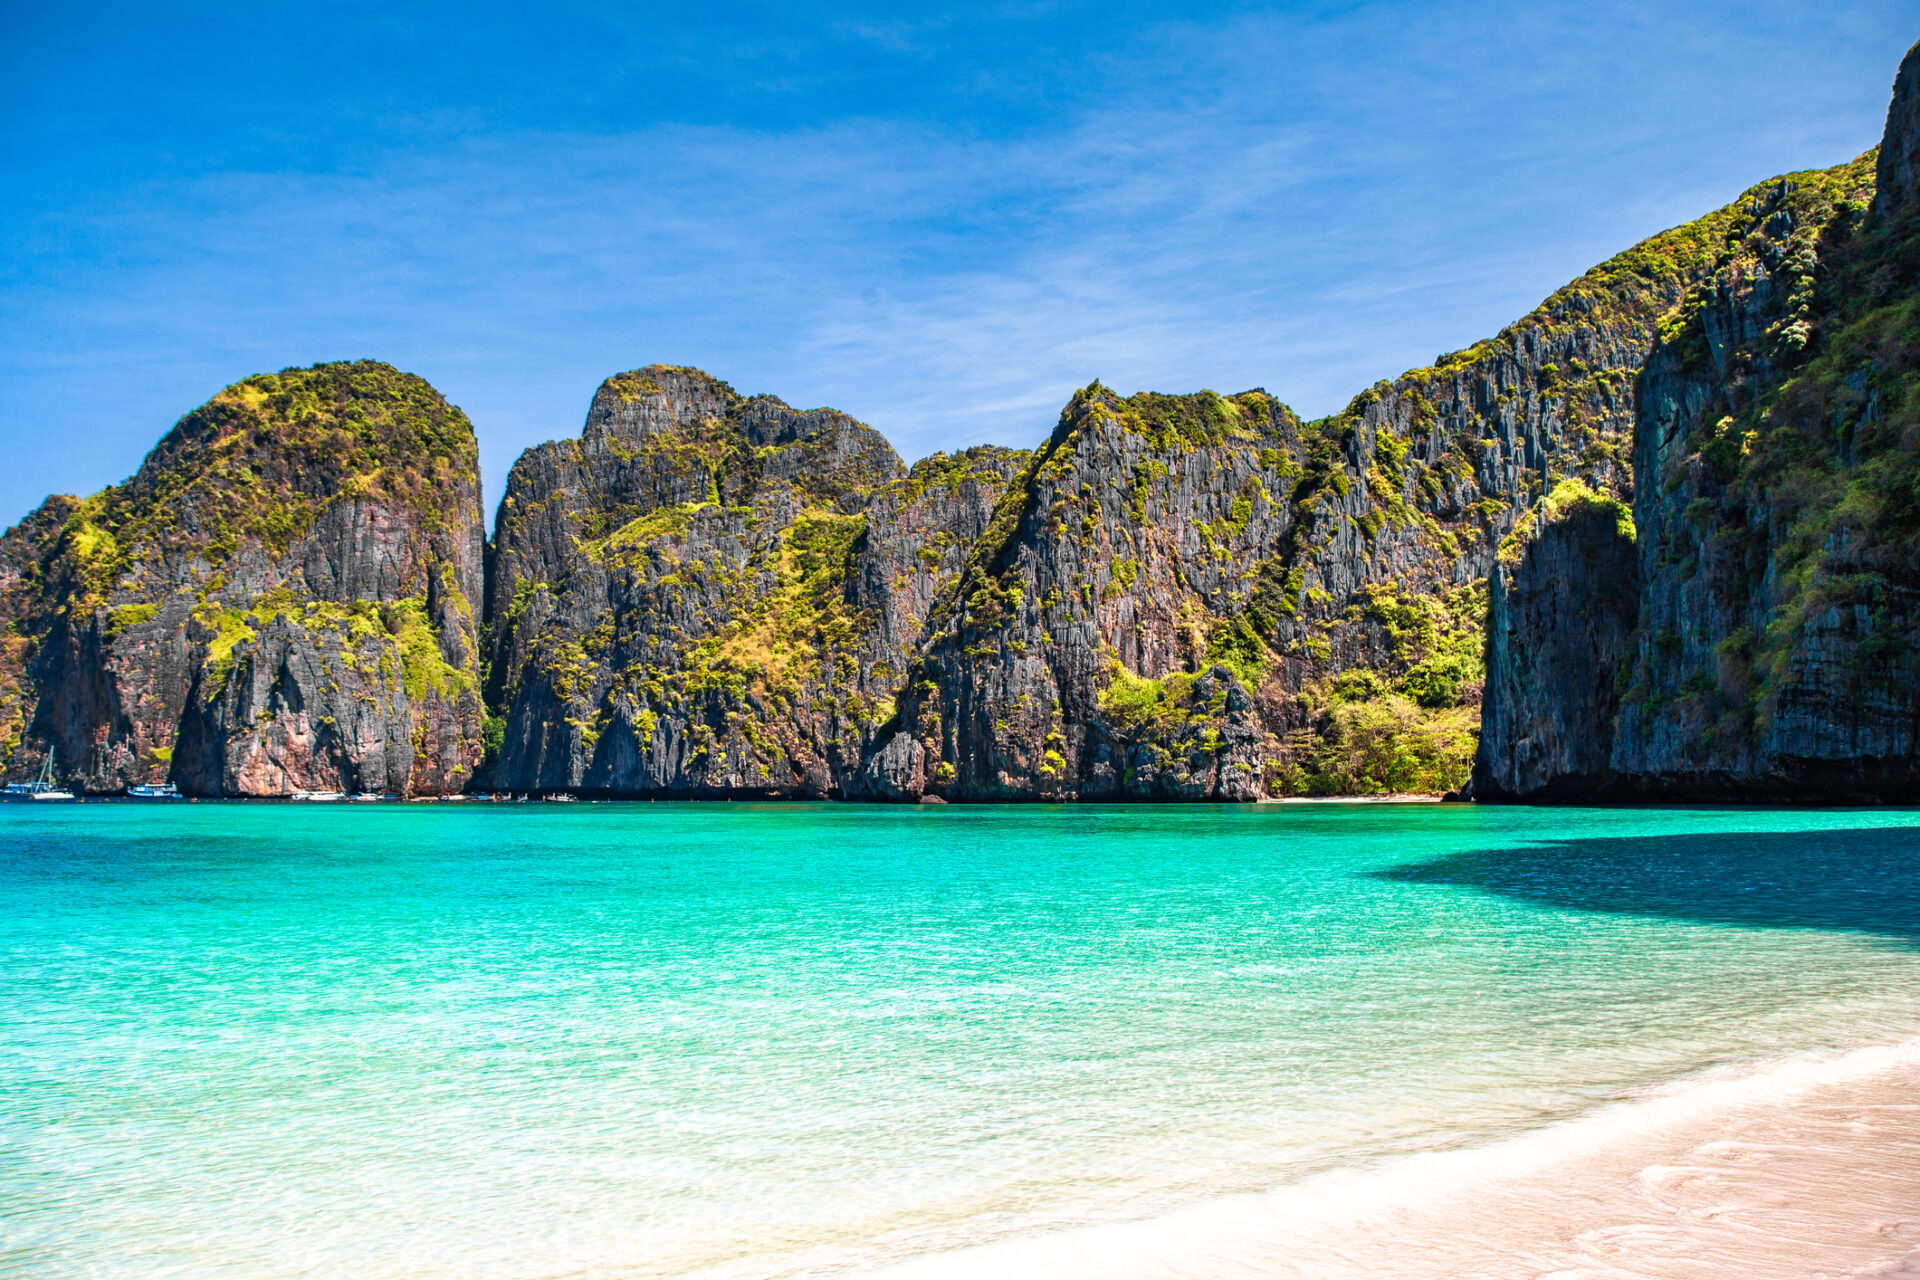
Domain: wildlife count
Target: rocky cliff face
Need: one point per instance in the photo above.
(1897, 171)
(1560, 620)
(1175, 597)
(1203, 597)
(1655, 538)
(1773, 654)
(282, 597)
(1112, 568)
(715, 595)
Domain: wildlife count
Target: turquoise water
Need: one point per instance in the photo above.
(760, 1040)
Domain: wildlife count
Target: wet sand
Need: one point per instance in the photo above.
(1803, 1169)
(1826, 1183)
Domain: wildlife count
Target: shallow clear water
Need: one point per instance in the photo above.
(759, 1040)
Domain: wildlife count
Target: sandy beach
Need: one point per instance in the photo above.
(1395, 797)
(1804, 1169)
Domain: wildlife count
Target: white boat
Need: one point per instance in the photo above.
(560, 797)
(318, 797)
(365, 797)
(41, 788)
(149, 791)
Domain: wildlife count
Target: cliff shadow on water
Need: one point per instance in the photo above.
(1863, 880)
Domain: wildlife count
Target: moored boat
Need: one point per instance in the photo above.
(43, 788)
(153, 791)
(318, 797)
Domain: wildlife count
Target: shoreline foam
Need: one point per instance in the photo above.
(1801, 1167)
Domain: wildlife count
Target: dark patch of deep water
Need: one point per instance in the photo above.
(1861, 880)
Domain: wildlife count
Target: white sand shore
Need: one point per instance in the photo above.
(1803, 1169)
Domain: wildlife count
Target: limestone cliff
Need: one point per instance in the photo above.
(1777, 503)
(1656, 537)
(1175, 597)
(281, 598)
(714, 595)
(1559, 620)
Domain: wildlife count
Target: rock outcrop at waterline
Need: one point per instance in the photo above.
(281, 598)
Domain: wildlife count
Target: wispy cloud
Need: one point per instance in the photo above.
(1303, 204)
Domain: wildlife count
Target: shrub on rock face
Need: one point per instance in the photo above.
(1369, 740)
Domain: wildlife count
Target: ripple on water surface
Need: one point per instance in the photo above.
(758, 1040)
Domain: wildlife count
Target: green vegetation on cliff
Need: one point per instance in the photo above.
(260, 461)
(784, 635)
(336, 507)
(1798, 476)
(1569, 497)
(1366, 738)
(1409, 722)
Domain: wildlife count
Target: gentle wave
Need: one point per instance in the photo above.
(1795, 1167)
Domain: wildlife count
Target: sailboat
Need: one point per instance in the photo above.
(41, 788)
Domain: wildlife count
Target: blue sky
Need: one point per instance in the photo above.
(940, 221)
